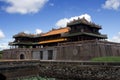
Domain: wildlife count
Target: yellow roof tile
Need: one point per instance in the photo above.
(56, 31)
(54, 40)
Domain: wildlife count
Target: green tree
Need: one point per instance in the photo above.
(1, 54)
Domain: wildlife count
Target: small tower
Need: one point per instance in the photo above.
(82, 29)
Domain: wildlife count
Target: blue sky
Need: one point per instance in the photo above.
(35, 16)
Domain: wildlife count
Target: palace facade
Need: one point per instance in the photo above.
(79, 40)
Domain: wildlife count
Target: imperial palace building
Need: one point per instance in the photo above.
(79, 40)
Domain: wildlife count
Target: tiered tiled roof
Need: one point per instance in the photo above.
(85, 33)
(52, 32)
(54, 40)
(57, 31)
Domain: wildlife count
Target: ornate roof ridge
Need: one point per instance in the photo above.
(83, 21)
(23, 34)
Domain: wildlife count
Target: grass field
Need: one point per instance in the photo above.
(107, 59)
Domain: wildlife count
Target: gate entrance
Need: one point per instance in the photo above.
(22, 56)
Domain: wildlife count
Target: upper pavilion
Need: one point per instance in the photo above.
(76, 30)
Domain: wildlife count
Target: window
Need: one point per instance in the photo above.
(50, 54)
(41, 55)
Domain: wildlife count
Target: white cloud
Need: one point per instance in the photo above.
(116, 38)
(111, 4)
(4, 46)
(24, 6)
(4, 43)
(63, 22)
(38, 31)
(1, 34)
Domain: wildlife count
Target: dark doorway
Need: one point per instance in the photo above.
(41, 55)
(22, 56)
(50, 54)
(2, 77)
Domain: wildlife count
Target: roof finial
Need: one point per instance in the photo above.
(84, 18)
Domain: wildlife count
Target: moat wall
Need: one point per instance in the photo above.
(63, 70)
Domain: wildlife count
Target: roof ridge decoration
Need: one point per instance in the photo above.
(83, 21)
(23, 34)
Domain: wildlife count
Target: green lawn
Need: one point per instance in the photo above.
(107, 59)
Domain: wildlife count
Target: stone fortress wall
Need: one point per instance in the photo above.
(86, 50)
(82, 50)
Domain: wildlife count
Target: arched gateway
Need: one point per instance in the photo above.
(22, 56)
